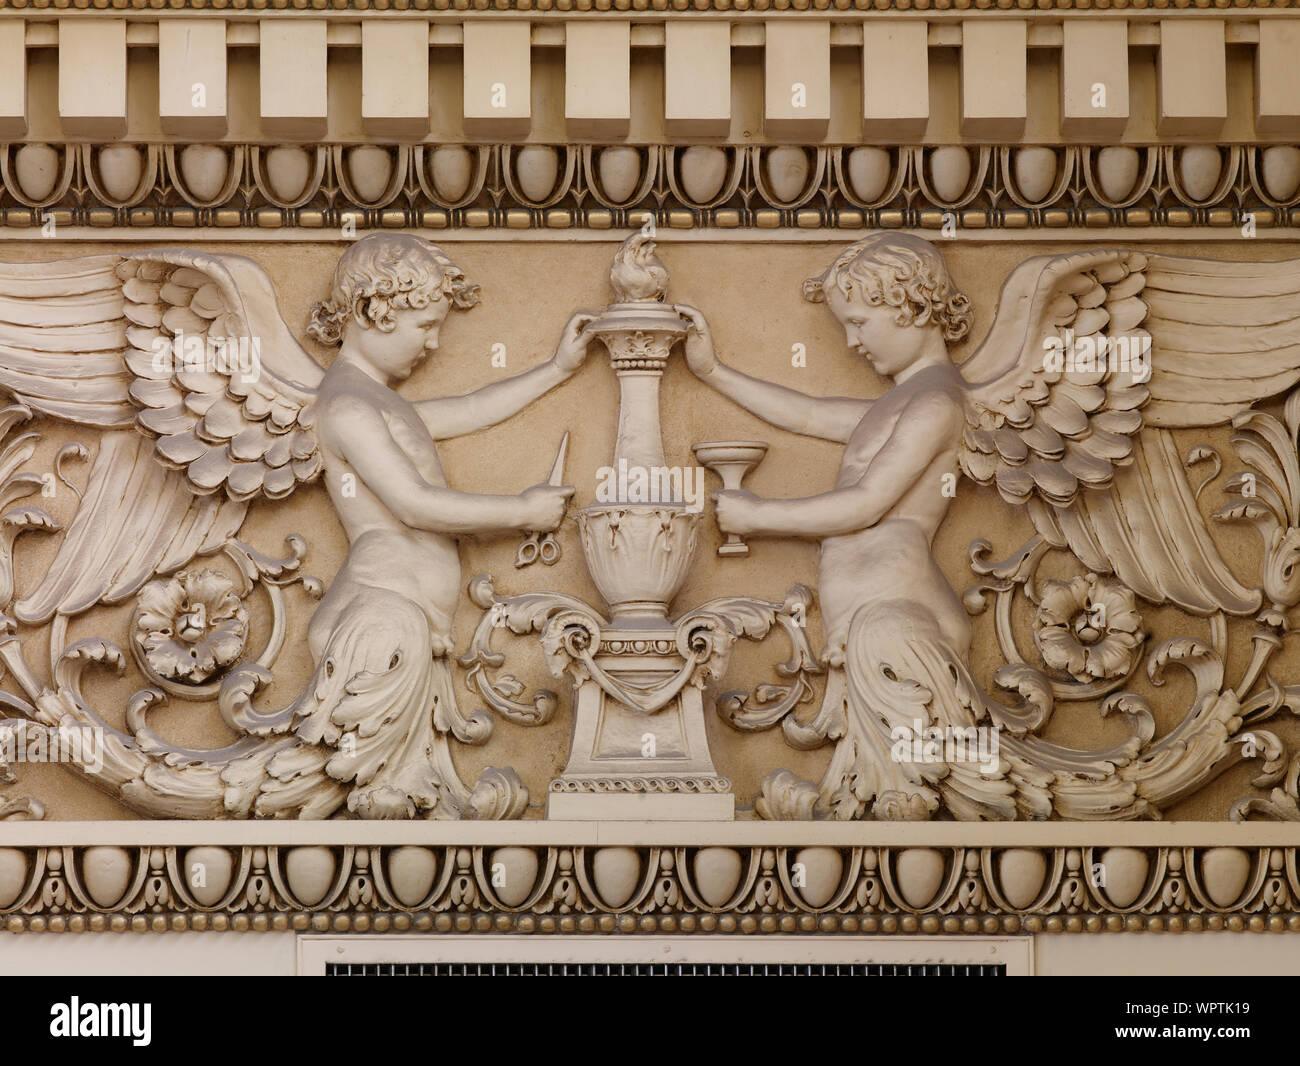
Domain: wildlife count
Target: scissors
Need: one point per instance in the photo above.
(544, 546)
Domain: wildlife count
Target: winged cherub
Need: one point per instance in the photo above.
(1087, 449)
(189, 447)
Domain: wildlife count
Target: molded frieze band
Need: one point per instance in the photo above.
(638, 878)
(951, 189)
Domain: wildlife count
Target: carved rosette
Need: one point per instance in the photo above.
(1088, 628)
(191, 626)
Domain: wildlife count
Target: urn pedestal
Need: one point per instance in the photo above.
(627, 763)
(639, 748)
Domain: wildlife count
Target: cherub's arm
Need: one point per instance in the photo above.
(453, 416)
(386, 470)
(828, 417)
(924, 430)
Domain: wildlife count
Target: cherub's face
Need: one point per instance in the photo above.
(414, 337)
(872, 330)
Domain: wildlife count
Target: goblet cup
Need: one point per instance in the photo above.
(731, 460)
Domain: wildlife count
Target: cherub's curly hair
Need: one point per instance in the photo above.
(383, 273)
(898, 271)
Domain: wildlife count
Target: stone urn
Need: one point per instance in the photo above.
(639, 548)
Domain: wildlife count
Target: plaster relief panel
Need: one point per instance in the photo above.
(657, 528)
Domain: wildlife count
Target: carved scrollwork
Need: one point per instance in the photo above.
(752, 619)
(521, 615)
(1018, 572)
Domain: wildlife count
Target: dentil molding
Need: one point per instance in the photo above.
(1177, 76)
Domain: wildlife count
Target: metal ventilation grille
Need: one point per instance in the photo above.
(661, 969)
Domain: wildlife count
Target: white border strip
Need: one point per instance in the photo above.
(339, 832)
(1016, 952)
(181, 237)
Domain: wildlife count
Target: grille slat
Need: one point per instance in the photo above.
(662, 969)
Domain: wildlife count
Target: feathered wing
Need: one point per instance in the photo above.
(1091, 454)
(127, 344)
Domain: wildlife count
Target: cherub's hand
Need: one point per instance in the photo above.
(737, 511)
(572, 349)
(543, 506)
(700, 356)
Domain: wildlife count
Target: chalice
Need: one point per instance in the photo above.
(731, 460)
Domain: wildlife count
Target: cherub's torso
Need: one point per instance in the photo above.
(385, 553)
(891, 559)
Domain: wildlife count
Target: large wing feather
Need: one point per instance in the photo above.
(88, 341)
(1226, 335)
(62, 332)
(1072, 445)
(137, 519)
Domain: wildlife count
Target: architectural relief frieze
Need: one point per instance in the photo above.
(649, 468)
(1128, 410)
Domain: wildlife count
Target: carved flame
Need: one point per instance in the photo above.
(637, 274)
